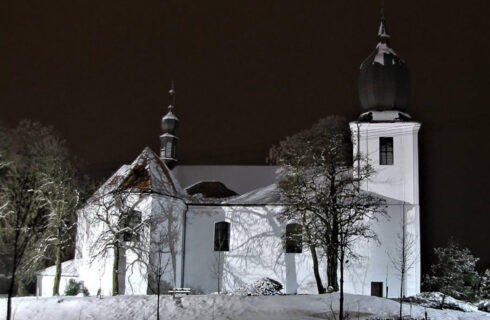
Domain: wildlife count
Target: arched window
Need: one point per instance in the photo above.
(294, 238)
(222, 236)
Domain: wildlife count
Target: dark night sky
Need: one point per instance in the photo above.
(250, 73)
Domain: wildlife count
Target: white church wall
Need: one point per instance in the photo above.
(200, 259)
(256, 251)
(399, 185)
(167, 238)
(45, 283)
(95, 268)
(398, 181)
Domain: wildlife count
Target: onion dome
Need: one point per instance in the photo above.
(170, 122)
(383, 77)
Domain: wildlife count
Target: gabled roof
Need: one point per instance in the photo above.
(210, 189)
(68, 269)
(147, 173)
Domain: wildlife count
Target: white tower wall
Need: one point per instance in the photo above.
(398, 184)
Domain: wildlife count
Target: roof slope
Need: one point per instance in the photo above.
(147, 173)
(269, 195)
(68, 269)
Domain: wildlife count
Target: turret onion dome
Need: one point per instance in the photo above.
(170, 122)
(383, 77)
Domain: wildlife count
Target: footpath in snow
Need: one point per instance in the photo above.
(205, 307)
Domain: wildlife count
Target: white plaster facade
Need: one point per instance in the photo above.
(256, 230)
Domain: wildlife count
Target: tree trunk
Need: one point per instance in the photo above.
(57, 276)
(318, 279)
(401, 293)
(341, 300)
(10, 292)
(332, 266)
(115, 271)
(158, 298)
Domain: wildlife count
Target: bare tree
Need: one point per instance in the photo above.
(404, 257)
(123, 229)
(59, 193)
(158, 269)
(24, 151)
(321, 190)
(163, 253)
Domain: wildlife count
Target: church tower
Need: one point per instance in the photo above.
(168, 139)
(388, 137)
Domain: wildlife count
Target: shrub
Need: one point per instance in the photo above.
(74, 288)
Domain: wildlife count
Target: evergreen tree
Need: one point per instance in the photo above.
(454, 273)
(485, 285)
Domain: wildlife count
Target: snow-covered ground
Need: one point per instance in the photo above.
(217, 307)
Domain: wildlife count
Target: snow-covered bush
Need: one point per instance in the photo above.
(74, 288)
(261, 287)
(484, 305)
(434, 299)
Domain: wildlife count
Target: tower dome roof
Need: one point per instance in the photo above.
(170, 122)
(383, 77)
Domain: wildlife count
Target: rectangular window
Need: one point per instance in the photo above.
(294, 236)
(377, 289)
(222, 236)
(168, 150)
(386, 151)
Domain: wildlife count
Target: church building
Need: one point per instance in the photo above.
(215, 228)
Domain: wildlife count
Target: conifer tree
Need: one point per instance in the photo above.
(485, 285)
(454, 273)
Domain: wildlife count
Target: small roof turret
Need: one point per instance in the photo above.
(170, 122)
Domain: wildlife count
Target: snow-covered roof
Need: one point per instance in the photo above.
(68, 269)
(210, 189)
(147, 173)
(269, 195)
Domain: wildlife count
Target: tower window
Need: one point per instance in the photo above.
(386, 150)
(294, 238)
(222, 236)
(168, 149)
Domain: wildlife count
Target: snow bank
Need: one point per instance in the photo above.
(433, 300)
(484, 305)
(284, 307)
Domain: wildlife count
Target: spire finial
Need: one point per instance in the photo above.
(383, 36)
(171, 92)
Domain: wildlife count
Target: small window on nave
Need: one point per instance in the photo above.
(222, 236)
(294, 238)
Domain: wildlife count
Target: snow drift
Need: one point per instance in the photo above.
(284, 307)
